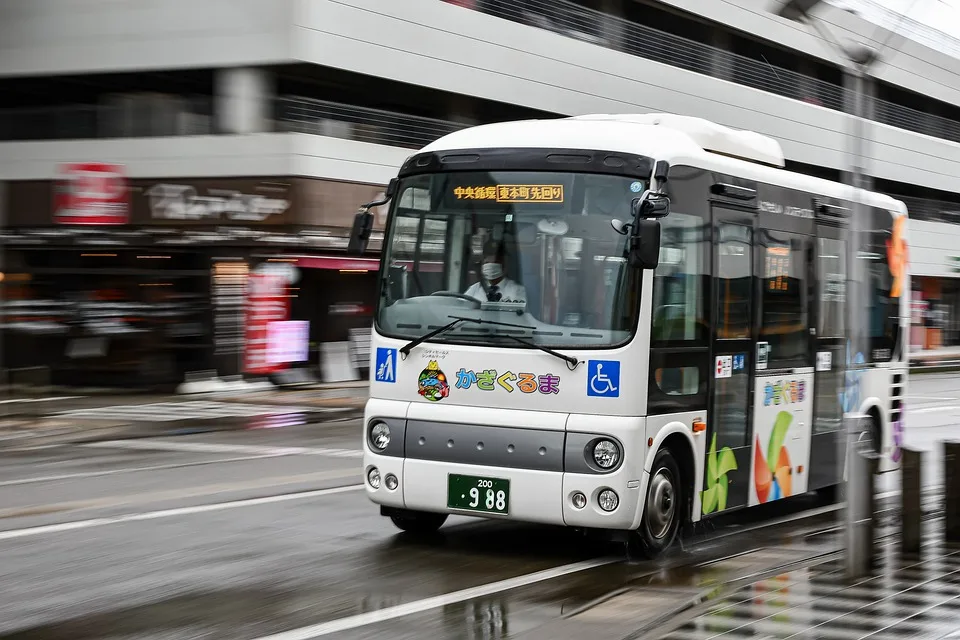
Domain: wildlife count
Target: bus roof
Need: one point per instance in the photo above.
(680, 140)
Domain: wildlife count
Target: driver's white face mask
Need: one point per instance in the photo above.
(491, 270)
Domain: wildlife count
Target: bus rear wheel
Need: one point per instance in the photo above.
(663, 508)
(418, 522)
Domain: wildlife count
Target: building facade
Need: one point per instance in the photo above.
(317, 103)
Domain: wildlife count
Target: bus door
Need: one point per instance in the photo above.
(783, 357)
(829, 312)
(727, 469)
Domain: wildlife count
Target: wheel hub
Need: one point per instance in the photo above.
(661, 507)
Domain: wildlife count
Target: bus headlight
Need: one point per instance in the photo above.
(380, 436)
(606, 454)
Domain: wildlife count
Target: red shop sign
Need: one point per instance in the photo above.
(91, 193)
(267, 302)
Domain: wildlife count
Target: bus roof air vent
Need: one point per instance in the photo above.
(710, 136)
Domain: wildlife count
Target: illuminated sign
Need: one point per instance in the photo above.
(777, 268)
(512, 193)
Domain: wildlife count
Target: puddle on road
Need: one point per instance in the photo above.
(227, 609)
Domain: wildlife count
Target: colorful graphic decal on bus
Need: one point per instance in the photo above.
(897, 257)
(780, 392)
(714, 498)
(432, 383)
(897, 428)
(773, 474)
(850, 396)
(492, 380)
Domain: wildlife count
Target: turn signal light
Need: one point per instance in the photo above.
(699, 425)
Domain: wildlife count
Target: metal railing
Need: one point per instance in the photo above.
(138, 117)
(570, 19)
(307, 115)
(302, 115)
(191, 116)
(931, 210)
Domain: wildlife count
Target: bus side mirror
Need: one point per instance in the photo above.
(360, 233)
(645, 244)
(363, 221)
(651, 205)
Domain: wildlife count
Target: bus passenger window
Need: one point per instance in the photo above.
(678, 381)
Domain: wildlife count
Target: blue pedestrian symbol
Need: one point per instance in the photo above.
(603, 378)
(386, 370)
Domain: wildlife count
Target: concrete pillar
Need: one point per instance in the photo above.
(911, 507)
(721, 56)
(951, 490)
(244, 100)
(612, 29)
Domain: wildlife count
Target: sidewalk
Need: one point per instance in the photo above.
(903, 598)
(59, 419)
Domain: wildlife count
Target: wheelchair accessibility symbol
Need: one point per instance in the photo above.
(603, 378)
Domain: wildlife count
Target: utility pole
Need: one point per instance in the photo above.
(858, 515)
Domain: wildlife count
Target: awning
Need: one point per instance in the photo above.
(337, 263)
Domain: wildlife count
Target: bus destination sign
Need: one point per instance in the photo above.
(512, 193)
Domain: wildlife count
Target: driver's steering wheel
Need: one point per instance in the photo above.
(454, 294)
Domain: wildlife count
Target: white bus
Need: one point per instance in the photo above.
(622, 323)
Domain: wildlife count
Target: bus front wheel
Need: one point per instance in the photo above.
(418, 522)
(663, 508)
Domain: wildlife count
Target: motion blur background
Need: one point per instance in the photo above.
(155, 155)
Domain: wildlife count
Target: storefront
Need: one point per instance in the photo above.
(935, 296)
(116, 282)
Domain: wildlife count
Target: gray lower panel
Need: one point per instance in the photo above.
(481, 445)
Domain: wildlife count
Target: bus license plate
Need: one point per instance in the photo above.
(471, 493)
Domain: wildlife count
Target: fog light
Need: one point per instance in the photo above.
(380, 436)
(391, 481)
(579, 500)
(606, 454)
(373, 477)
(608, 500)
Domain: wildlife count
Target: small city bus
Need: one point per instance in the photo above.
(623, 324)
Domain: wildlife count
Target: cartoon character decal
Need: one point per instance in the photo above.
(432, 383)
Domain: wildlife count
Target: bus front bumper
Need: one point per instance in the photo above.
(534, 496)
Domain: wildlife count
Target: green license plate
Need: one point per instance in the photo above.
(471, 493)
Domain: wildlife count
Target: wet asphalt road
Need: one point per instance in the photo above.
(244, 534)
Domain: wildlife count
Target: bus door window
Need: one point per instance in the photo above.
(784, 298)
(831, 323)
(734, 330)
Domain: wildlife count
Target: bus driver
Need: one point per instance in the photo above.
(499, 287)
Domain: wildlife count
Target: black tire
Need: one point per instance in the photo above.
(872, 441)
(664, 508)
(419, 522)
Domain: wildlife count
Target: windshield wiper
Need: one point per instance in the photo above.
(570, 360)
(405, 349)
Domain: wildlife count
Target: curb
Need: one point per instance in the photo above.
(27, 437)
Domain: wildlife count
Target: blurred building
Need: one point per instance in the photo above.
(247, 132)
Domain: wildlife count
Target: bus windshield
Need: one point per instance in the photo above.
(533, 252)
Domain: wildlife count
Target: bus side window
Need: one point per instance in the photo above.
(678, 381)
